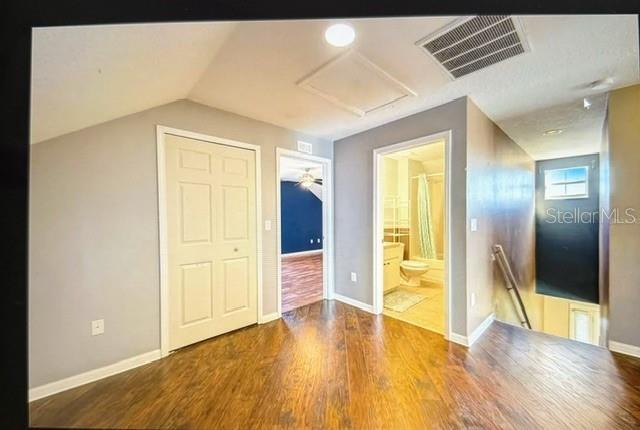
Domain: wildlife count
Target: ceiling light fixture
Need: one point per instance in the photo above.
(307, 179)
(553, 132)
(340, 35)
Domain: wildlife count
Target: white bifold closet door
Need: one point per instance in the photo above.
(211, 239)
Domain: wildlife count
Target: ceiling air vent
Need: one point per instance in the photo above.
(471, 44)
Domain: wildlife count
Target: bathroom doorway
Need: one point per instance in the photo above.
(411, 221)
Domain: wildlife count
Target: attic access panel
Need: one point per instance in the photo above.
(354, 83)
(474, 43)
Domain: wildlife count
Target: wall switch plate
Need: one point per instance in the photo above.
(97, 327)
(318, 240)
(473, 299)
(310, 240)
(474, 224)
(267, 225)
(354, 277)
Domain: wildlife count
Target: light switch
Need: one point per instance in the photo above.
(354, 277)
(267, 225)
(474, 224)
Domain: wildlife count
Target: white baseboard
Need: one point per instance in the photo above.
(268, 318)
(459, 339)
(358, 304)
(475, 335)
(624, 348)
(92, 375)
(302, 253)
(479, 331)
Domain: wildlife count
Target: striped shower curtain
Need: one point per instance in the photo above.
(425, 227)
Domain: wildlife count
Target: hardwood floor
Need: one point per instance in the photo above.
(330, 365)
(301, 281)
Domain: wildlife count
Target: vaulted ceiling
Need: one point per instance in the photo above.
(82, 76)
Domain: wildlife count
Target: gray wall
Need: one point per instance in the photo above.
(93, 234)
(624, 239)
(354, 201)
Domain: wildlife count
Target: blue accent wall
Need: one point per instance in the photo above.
(301, 218)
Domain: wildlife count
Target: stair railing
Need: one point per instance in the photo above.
(511, 284)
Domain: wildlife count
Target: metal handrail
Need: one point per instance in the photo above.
(512, 285)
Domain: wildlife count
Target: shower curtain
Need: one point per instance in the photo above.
(425, 227)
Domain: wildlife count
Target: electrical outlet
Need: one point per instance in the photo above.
(267, 225)
(318, 240)
(310, 240)
(97, 327)
(354, 277)
(473, 299)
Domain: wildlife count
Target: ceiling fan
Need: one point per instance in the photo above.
(307, 179)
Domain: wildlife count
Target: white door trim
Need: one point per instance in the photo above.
(378, 228)
(327, 222)
(162, 215)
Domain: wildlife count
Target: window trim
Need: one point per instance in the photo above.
(567, 197)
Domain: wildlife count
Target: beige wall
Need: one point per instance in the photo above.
(93, 234)
(480, 161)
(624, 239)
(514, 218)
(500, 195)
(604, 233)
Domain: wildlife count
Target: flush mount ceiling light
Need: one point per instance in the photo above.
(553, 132)
(601, 84)
(340, 35)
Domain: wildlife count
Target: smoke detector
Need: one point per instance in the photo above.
(473, 43)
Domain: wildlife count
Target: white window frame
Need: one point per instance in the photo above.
(567, 197)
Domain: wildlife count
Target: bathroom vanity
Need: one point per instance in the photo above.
(393, 252)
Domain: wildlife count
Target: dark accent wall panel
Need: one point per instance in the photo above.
(567, 236)
(301, 218)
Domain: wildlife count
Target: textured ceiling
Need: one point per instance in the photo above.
(428, 151)
(86, 75)
(581, 129)
(82, 76)
(292, 168)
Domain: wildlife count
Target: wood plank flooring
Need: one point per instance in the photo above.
(329, 365)
(301, 281)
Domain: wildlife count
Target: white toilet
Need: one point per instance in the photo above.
(411, 271)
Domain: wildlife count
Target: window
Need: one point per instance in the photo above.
(569, 183)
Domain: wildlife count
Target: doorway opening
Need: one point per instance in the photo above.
(411, 260)
(304, 208)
